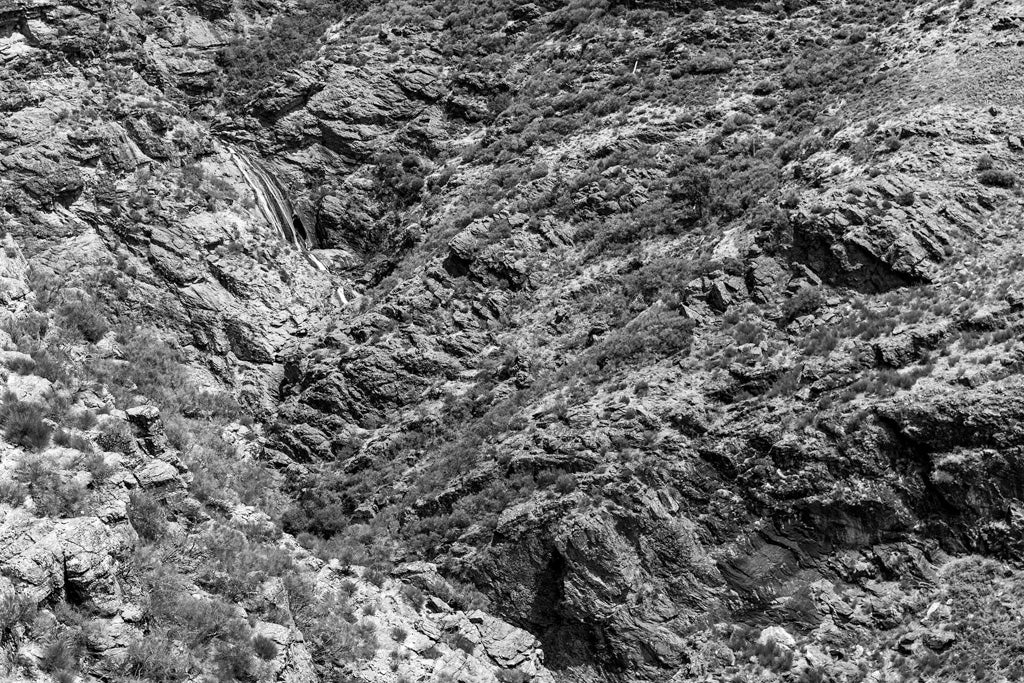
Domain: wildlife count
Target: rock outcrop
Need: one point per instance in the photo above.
(511, 342)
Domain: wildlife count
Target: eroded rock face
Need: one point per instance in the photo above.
(81, 560)
(630, 374)
(695, 493)
(433, 639)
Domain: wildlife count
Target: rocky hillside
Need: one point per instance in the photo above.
(500, 341)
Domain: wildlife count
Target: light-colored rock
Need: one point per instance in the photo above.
(29, 388)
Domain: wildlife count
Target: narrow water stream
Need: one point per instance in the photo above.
(272, 200)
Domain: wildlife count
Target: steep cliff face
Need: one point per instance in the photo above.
(503, 341)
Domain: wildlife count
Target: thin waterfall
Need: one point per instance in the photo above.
(273, 202)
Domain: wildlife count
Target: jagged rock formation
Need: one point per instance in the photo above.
(515, 342)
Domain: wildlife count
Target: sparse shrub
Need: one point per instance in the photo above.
(234, 661)
(806, 300)
(565, 483)
(52, 493)
(265, 648)
(96, 465)
(66, 439)
(997, 178)
(116, 437)
(399, 634)
(21, 365)
(413, 595)
(657, 333)
(83, 316)
(147, 516)
(375, 576)
(63, 654)
(12, 493)
(24, 424)
(156, 658)
(14, 610)
(82, 419)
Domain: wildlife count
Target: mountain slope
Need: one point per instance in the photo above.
(680, 339)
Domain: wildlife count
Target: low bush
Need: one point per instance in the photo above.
(53, 494)
(997, 178)
(96, 465)
(265, 648)
(82, 419)
(84, 317)
(21, 366)
(12, 493)
(375, 576)
(116, 437)
(234, 661)
(147, 516)
(63, 654)
(806, 300)
(24, 424)
(27, 329)
(156, 658)
(235, 566)
(657, 333)
(414, 596)
(14, 609)
(66, 439)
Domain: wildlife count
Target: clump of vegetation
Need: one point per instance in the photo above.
(116, 436)
(83, 316)
(25, 424)
(806, 300)
(147, 516)
(997, 178)
(413, 595)
(54, 493)
(157, 657)
(68, 439)
(329, 625)
(400, 176)
(252, 62)
(265, 648)
(12, 493)
(63, 655)
(236, 566)
(659, 333)
(14, 610)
